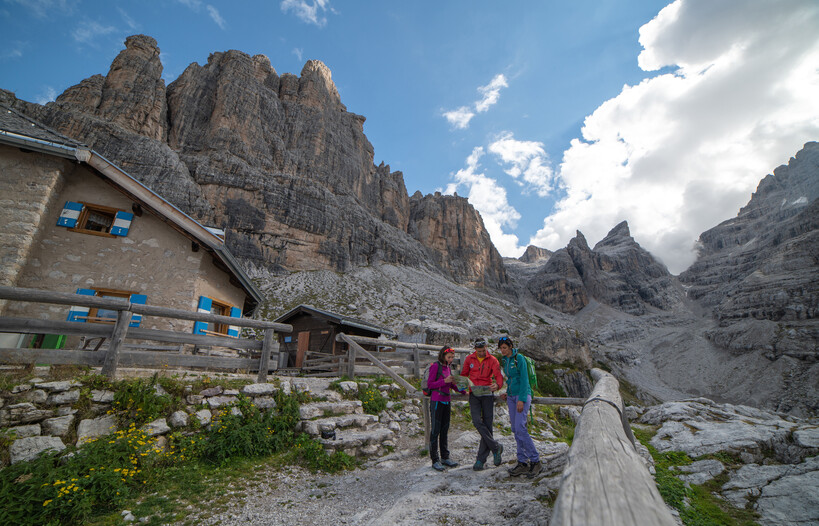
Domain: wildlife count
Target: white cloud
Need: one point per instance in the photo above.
(489, 198)
(490, 94)
(216, 17)
(459, 118)
(88, 30)
(44, 8)
(526, 162)
(195, 5)
(309, 12)
(14, 51)
(130, 22)
(49, 94)
(299, 52)
(680, 152)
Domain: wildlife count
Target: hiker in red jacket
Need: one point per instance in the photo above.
(484, 371)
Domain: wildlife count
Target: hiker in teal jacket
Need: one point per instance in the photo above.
(518, 399)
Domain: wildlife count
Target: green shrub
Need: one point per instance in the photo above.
(136, 401)
(312, 455)
(252, 433)
(372, 399)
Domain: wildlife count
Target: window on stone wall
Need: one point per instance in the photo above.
(96, 315)
(96, 219)
(220, 309)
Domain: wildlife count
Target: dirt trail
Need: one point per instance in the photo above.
(402, 488)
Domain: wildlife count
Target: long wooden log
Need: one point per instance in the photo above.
(120, 304)
(403, 345)
(109, 366)
(32, 326)
(362, 351)
(605, 482)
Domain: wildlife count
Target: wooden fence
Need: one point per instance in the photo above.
(605, 481)
(116, 356)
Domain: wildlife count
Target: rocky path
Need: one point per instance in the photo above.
(402, 488)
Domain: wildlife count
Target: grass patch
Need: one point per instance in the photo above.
(698, 505)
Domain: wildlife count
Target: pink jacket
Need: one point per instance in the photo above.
(440, 389)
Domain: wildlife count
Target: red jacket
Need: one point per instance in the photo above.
(481, 373)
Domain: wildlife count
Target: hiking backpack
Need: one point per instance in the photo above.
(530, 369)
(425, 378)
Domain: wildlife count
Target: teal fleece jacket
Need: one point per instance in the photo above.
(517, 375)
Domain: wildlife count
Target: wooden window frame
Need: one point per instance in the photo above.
(92, 312)
(89, 207)
(221, 329)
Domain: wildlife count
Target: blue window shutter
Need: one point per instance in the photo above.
(233, 330)
(205, 304)
(137, 318)
(122, 222)
(75, 312)
(70, 214)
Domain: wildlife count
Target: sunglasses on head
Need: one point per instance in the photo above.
(503, 339)
(479, 343)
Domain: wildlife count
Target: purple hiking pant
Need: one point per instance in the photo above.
(526, 447)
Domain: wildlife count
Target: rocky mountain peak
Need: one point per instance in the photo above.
(618, 272)
(317, 87)
(535, 254)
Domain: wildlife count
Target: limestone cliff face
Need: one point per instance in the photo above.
(455, 231)
(276, 160)
(759, 272)
(535, 254)
(617, 272)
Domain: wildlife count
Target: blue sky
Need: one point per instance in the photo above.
(549, 116)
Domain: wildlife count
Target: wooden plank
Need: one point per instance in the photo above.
(351, 361)
(32, 326)
(605, 482)
(416, 359)
(360, 350)
(51, 356)
(65, 298)
(159, 359)
(269, 344)
(303, 345)
(109, 366)
(401, 345)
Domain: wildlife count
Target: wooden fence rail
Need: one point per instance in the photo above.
(605, 481)
(115, 356)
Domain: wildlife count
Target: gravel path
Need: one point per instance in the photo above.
(402, 488)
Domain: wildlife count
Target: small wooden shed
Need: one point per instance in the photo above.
(315, 330)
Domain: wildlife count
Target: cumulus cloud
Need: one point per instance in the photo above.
(88, 30)
(459, 118)
(490, 94)
(526, 162)
(489, 198)
(681, 152)
(216, 17)
(308, 12)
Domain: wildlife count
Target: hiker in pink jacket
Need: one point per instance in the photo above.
(440, 384)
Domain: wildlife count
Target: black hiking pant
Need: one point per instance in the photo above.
(482, 410)
(439, 414)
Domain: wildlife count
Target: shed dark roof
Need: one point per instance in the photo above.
(336, 318)
(14, 122)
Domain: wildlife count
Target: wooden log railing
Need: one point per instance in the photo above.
(117, 332)
(605, 481)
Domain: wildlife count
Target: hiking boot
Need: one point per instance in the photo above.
(438, 466)
(478, 465)
(497, 455)
(534, 469)
(520, 468)
(449, 463)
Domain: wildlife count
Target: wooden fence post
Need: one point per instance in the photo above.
(269, 345)
(109, 366)
(350, 361)
(416, 358)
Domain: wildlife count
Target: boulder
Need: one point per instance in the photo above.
(58, 426)
(26, 431)
(204, 416)
(348, 387)
(211, 391)
(23, 413)
(220, 401)
(178, 419)
(35, 396)
(95, 428)
(701, 471)
(157, 427)
(259, 389)
(31, 447)
(20, 388)
(264, 402)
(64, 397)
(102, 397)
(58, 387)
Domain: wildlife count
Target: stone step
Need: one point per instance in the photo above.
(354, 441)
(324, 409)
(315, 427)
